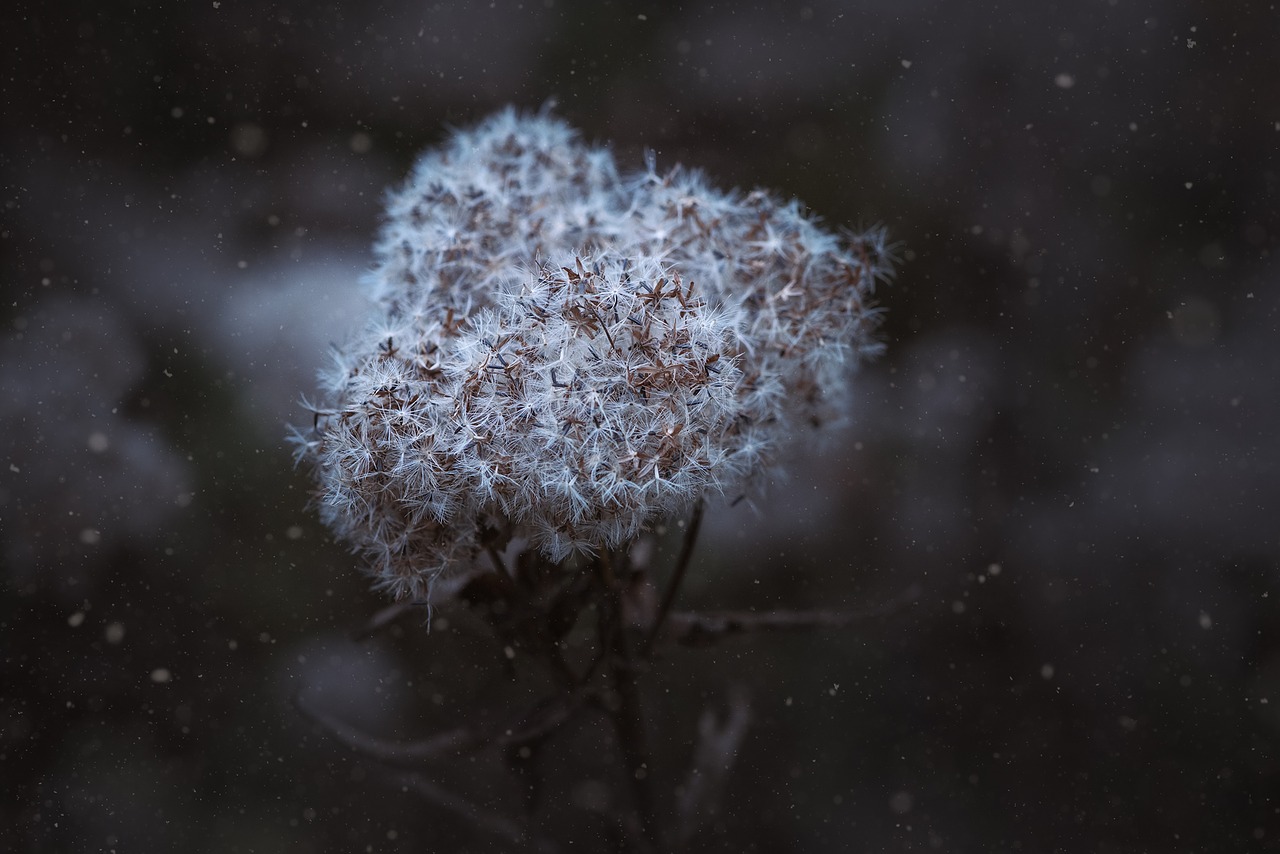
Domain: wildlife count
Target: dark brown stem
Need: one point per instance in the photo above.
(626, 713)
(604, 564)
(538, 722)
(402, 754)
(677, 578)
(484, 820)
(694, 628)
(560, 668)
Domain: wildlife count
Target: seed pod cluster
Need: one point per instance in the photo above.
(564, 354)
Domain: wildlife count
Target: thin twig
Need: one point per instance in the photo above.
(397, 753)
(604, 563)
(677, 578)
(539, 721)
(626, 714)
(545, 718)
(486, 820)
(694, 628)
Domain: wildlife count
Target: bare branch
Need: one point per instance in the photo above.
(540, 721)
(544, 718)
(482, 819)
(396, 753)
(625, 711)
(677, 577)
(696, 628)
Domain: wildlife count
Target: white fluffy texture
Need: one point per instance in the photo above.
(565, 354)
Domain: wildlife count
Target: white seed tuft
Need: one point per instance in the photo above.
(567, 355)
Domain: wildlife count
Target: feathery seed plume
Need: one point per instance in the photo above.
(564, 354)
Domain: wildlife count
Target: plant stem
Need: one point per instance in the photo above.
(677, 578)
(627, 715)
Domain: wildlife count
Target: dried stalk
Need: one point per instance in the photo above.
(538, 722)
(677, 578)
(485, 820)
(698, 628)
(538, 613)
(395, 753)
(626, 713)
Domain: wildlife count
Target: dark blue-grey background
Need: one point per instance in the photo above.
(1070, 444)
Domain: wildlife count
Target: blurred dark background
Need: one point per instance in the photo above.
(1070, 444)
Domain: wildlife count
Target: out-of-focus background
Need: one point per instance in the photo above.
(1070, 445)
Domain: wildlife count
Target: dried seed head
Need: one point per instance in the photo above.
(566, 355)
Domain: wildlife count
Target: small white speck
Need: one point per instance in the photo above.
(161, 675)
(1064, 81)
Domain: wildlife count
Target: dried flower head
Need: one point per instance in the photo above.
(563, 354)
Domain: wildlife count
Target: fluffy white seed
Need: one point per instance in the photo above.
(567, 355)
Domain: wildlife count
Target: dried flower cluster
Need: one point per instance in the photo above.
(564, 354)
